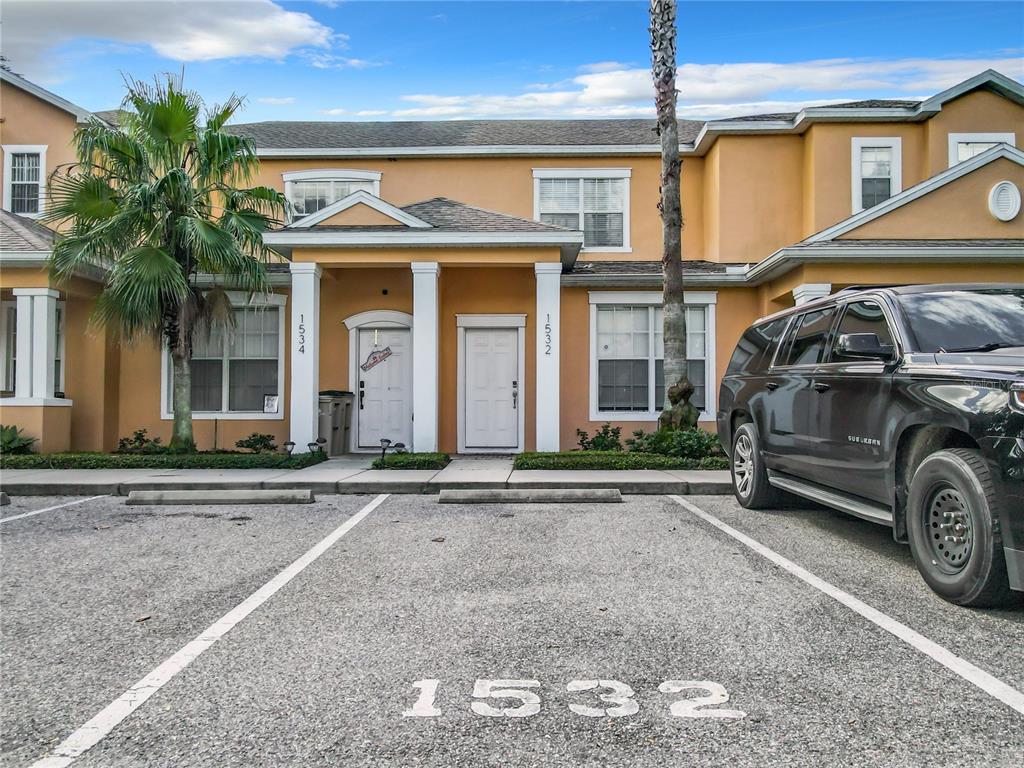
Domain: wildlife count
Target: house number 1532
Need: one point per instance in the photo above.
(547, 336)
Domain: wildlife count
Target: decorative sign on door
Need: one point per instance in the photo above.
(376, 357)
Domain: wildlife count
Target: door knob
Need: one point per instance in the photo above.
(515, 395)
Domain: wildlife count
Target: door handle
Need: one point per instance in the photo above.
(362, 394)
(772, 385)
(515, 395)
(820, 386)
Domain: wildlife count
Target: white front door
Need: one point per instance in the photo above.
(384, 388)
(492, 388)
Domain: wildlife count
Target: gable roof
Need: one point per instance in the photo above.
(918, 190)
(18, 81)
(22, 235)
(360, 197)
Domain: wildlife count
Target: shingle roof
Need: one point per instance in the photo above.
(109, 116)
(644, 267)
(458, 133)
(446, 215)
(854, 244)
(875, 104)
(21, 235)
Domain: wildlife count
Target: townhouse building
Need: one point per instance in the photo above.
(493, 286)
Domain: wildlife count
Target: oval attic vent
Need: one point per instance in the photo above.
(1004, 201)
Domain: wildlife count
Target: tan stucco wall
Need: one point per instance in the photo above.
(977, 112)
(50, 425)
(957, 210)
(360, 215)
(27, 119)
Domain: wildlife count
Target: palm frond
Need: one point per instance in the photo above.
(142, 284)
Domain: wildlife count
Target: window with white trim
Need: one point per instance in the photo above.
(24, 179)
(628, 351)
(234, 370)
(311, 191)
(964, 146)
(876, 171)
(595, 201)
(9, 347)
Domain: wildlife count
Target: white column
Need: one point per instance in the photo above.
(305, 355)
(37, 342)
(806, 292)
(549, 292)
(425, 346)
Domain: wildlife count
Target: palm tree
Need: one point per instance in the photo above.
(156, 202)
(663, 70)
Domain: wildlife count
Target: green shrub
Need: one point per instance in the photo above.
(12, 442)
(607, 460)
(692, 444)
(257, 442)
(140, 442)
(222, 460)
(412, 461)
(607, 438)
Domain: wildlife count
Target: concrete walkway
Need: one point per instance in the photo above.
(352, 474)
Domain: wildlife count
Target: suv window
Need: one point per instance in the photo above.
(961, 320)
(805, 343)
(754, 350)
(863, 317)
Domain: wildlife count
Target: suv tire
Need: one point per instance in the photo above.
(953, 524)
(749, 478)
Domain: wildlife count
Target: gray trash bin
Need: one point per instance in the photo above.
(335, 418)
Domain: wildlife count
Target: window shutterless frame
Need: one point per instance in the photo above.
(579, 174)
(10, 150)
(860, 143)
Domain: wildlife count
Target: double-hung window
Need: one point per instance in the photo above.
(628, 350)
(237, 372)
(876, 171)
(964, 146)
(594, 200)
(24, 179)
(310, 191)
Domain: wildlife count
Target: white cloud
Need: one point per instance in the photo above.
(276, 100)
(180, 31)
(322, 60)
(709, 91)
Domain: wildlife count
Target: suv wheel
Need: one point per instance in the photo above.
(749, 478)
(953, 522)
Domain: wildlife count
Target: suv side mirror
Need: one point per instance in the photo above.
(863, 345)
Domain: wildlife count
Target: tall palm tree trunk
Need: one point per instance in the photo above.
(663, 69)
(182, 438)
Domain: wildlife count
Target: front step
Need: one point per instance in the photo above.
(531, 496)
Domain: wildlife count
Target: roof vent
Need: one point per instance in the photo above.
(1004, 201)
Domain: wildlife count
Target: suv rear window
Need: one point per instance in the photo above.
(805, 342)
(966, 320)
(755, 348)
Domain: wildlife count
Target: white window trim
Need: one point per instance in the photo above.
(589, 173)
(15, 149)
(329, 174)
(706, 299)
(858, 143)
(239, 300)
(5, 306)
(463, 322)
(955, 139)
(58, 386)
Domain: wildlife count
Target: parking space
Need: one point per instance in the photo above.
(372, 654)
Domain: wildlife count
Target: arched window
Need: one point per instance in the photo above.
(310, 191)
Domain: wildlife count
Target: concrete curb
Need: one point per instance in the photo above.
(531, 496)
(166, 496)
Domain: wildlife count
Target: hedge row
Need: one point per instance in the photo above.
(412, 461)
(614, 460)
(160, 461)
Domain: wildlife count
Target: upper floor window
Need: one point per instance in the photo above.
(876, 170)
(594, 200)
(24, 178)
(310, 191)
(964, 146)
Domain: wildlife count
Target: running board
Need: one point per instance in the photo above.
(875, 513)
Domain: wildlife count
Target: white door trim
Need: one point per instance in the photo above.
(376, 318)
(490, 321)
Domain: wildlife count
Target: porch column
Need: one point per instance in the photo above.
(37, 342)
(425, 348)
(305, 355)
(549, 278)
(806, 292)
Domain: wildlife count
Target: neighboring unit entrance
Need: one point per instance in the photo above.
(384, 389)
(492, 389)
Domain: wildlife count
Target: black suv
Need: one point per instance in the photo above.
(901, 405)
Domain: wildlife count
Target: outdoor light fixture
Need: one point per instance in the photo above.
(399, 447)
(320, 443)
(312, 447)
(289, 446)
(384, 443)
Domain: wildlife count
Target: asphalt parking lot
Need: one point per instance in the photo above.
(621, 630)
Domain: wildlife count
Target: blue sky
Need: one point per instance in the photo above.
(429, 60)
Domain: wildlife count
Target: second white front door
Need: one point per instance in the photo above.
(492, 388)
(384, 390)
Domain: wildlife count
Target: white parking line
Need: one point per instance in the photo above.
(979, 677)
(114, 713)
(49, 509)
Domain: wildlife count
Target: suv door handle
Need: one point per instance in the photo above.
(820, 386)
(772, 385)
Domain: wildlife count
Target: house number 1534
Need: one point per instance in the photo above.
(302, 334)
